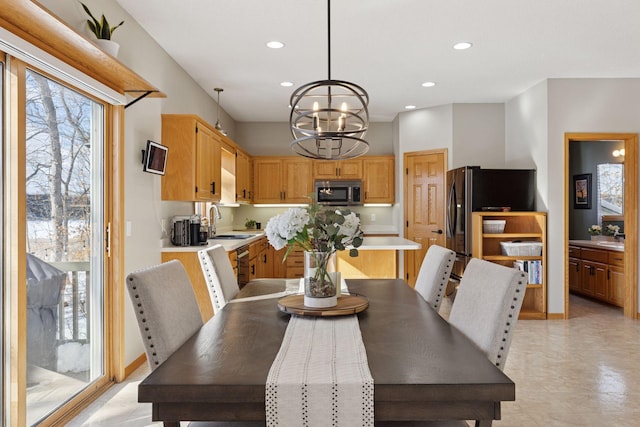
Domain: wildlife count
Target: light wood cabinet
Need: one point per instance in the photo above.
(193, 170)
(601, 274)
(378, 179)
(337, 169)
(282, 180)
(524, 226)
(369, 264)
(191, 263)
(243, 177)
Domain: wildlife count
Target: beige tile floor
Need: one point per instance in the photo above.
(580, 372)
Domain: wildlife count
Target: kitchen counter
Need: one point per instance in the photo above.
(599, 244)
(368, 243)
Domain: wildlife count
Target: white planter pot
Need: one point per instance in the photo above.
(109, 46)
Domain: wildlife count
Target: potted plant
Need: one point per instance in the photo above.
(103, 32)
(250, 224)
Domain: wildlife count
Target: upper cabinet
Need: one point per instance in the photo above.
(282, 180)
(193, 170)
(337, 169)
(378, 179)
(244, 188)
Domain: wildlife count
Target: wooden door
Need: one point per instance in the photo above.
(267, 183)
(574, 274)
(208, 160)
(350, 169)
(616, 285)
(297, 177)
(379, 179)
(325, 169)
(243, 177)
(424, 205)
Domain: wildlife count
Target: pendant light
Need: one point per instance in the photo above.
(329, 118)
(218, 126)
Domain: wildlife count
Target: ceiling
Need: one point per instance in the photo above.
(390, 47)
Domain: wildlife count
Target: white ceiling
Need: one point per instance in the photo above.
(390, 47)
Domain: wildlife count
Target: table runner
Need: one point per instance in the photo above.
(320, 376)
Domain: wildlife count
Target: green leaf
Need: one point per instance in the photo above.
(353, 252)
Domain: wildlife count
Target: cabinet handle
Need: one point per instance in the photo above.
(213, 187)
(284, 195)
(608, 274)
(244, 194)
(253, 269)
(577, 267)
(264, 258)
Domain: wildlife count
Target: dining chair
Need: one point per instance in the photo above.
(434, 273)
(487, 306)
(219, 276)
(166, 309)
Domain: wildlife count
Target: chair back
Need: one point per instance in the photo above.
(166, 309)
(218, 273)
(487, 306)
(434, 273)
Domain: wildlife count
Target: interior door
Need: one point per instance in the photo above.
(424, 205)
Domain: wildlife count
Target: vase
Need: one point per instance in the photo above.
(109, 46)
(601, 238)
(321, 280)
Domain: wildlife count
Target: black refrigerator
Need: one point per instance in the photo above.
(471, 189)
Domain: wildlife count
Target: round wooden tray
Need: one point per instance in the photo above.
(347, 304)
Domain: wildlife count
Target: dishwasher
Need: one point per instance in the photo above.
(243, 265)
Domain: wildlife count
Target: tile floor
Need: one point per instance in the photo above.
(578, 372)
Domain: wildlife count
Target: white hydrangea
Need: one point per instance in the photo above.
(277, 241)
(292, 222)
(350, 227)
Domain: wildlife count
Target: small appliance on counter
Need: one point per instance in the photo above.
(187, 231)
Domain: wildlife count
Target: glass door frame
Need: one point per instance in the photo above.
(14, 261)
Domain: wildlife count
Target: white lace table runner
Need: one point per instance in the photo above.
(320, 376)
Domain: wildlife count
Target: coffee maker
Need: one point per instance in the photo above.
(181, 231)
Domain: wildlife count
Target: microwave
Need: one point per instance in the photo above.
(338, 193)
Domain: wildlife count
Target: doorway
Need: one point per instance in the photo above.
(424, 205)
(630, 214)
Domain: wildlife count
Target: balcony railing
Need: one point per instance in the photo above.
(73, 310)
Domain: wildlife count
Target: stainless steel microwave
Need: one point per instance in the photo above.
(338, 193)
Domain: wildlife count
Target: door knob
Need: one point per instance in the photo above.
(437, 231)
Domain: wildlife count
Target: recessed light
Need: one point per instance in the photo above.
(410, 107)
(428, 84)
(275, 44)
(462, 46)
(286, 84)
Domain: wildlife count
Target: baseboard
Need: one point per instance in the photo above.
(141, 360)
(555, 316)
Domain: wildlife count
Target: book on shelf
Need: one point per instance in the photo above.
(533, 268)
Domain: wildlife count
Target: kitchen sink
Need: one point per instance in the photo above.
(233, 236)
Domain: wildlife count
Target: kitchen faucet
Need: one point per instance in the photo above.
(214, 214)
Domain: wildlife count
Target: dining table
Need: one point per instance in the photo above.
(422, 367)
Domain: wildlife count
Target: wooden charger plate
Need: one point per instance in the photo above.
(347, 304)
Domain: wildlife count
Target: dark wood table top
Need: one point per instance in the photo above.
(422, 367)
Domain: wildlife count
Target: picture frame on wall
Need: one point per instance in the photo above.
(582, 191)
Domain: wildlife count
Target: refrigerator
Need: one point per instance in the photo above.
(471, 189)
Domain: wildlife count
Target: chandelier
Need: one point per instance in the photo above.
(329, 118)
(218, 126)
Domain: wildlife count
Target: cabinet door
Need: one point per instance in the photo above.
(297, 176)
(594, 279)
(267, 185)
(243, 177)
(616, 285)
(378, 180)
(325, 169)
(350, 169)
(208, 159)
(574, 274)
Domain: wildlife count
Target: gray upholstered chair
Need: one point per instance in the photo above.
(487, 306)
(218, 273)
(166, 309)
(434, 273)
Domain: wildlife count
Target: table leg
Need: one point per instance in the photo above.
(484, 423)
(171, 424)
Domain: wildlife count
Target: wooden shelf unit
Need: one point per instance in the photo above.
(524, 226)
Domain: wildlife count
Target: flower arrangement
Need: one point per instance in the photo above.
(612, 230)
(320, 233)
(313, 229)
(595, 230)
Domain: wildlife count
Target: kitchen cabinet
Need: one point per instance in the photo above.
(601, 273)
(191, 263)
(524, 226)
(193, 171)
(243, 176)
(282, 180)
(337, 169)
(378, 179)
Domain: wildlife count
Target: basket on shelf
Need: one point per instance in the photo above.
(493, 226)
(521, 248)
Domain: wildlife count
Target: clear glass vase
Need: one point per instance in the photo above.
(321, 280)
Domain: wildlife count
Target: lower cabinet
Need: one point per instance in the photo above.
(369, 264)
(597, 274)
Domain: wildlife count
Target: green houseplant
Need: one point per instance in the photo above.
(100, 28)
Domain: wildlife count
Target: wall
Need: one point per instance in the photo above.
(274, 138)
(584, 157)
(478, 135)
(143, 208)
(546, 112)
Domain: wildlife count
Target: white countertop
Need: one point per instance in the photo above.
(368, 244)
(599, 244)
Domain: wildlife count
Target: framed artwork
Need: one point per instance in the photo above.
(582, 191)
